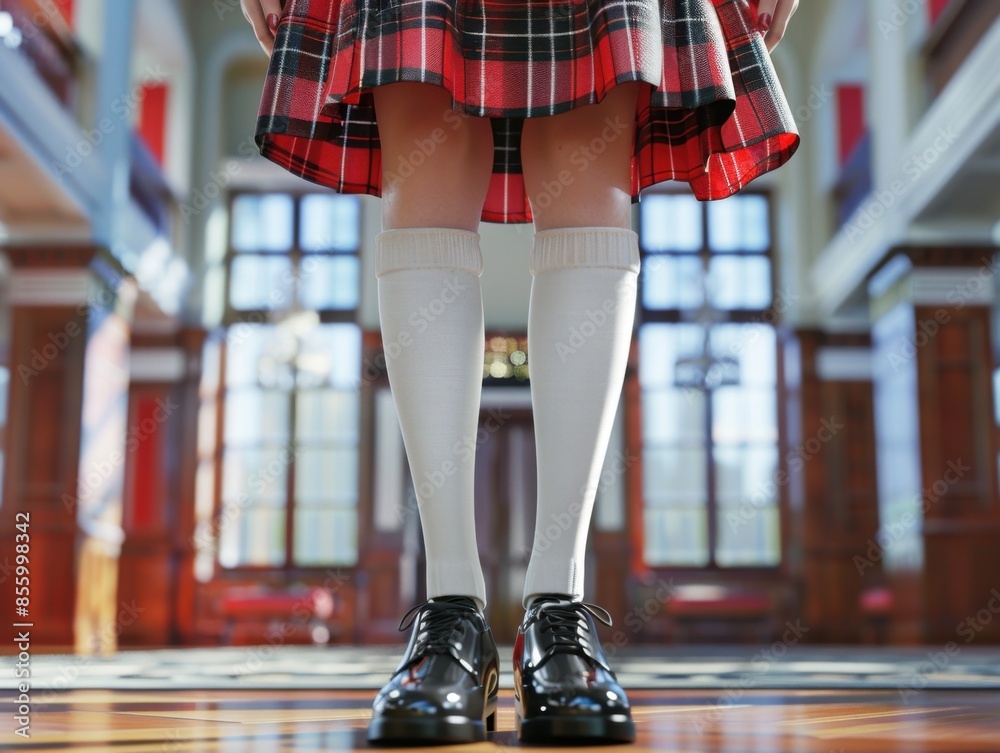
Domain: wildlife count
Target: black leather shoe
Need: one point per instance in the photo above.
(564, 690)
(445, 688)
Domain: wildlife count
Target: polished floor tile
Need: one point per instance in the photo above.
(684, 721)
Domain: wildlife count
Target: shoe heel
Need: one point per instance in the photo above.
(491, 722)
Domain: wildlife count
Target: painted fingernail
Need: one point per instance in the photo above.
(272, 22)
(764, 22)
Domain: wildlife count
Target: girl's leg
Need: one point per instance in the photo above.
(436, 163)
(436, 169)
(584, 264)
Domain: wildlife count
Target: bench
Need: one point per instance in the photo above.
(255, 614)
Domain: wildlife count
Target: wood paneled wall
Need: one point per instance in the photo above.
(42, 464)
(836, 497)
(944, 576)
(54, 290)
(961, 531)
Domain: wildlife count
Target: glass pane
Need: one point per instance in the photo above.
(673, 474)
(739, 223)
(746, 476)
(739, 282)
(204, 491)
(259, 476)
(327, 416)
(670, 222)
(332, 355)
(753, 345)
(260, 282)
(253, 536)
(744, 414)
(262, 222)
(748, 540)
(326, 537)
(211, 360)
(329, 282)
(660, 345)
(246, 344)
(673, 415)
(676, 537)
(671, 282)
(330, 223)
(255, 416)
(207, 417)
(325, 474)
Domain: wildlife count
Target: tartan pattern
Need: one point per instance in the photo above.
(714, 114)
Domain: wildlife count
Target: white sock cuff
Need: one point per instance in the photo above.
(558, 248)
(428, 248)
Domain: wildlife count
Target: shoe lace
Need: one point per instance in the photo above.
(563, 620)
(437, 621)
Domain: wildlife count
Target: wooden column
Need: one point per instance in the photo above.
(69, 314)
(156, 565)
(831, 458)
(380, 594)
(192, 343)
(937, 450)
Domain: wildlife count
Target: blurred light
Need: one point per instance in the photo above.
(13, 39)
(6, 23)
(320, 634)
(216, 236)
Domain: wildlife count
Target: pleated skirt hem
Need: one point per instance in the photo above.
(712, 115)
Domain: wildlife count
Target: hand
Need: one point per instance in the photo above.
(263, 16)
(773, 16)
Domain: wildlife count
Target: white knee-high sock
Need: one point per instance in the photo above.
(431, 312)
(580, 316)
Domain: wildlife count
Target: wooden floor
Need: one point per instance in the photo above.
(805, 721)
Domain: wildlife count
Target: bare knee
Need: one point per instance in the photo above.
(436, 162)
(577, 164)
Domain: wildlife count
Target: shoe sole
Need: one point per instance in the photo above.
(566, 729)
(583, 730)
(397, 731)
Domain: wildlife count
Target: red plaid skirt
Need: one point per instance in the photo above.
(715, 115)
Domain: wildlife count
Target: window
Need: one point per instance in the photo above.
(291, 383)
(708, 379)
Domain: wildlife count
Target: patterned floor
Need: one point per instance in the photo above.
(671, 667)
(235, 721)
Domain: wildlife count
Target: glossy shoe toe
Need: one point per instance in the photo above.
(564, 690)
(445, 688)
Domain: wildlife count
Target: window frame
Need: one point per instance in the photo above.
(766, 316)
(259, 317)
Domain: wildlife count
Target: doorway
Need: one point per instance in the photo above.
(505, 512)
(504, 503)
